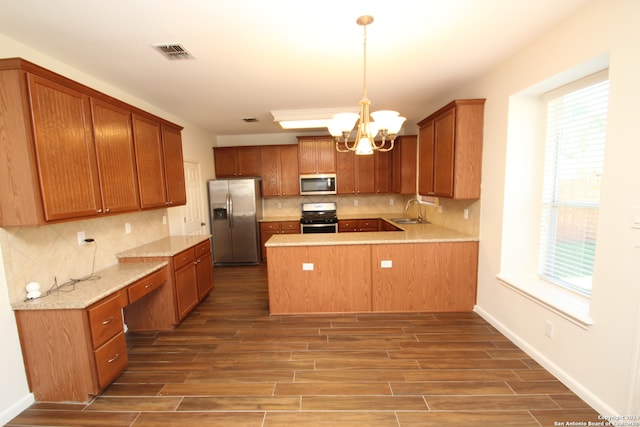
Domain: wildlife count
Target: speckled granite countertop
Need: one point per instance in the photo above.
(168, 246)
(411, 233)
(83, 294)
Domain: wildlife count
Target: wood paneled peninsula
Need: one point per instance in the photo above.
(421, 268)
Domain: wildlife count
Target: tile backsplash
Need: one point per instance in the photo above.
(451, 215)
(51, 252)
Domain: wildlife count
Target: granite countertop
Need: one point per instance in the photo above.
(169, 246)
(410, 233)
(84, 293)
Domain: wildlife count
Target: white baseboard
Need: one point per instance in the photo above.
(14, 410)
(585, 394)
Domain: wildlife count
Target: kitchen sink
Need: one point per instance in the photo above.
(406, 221)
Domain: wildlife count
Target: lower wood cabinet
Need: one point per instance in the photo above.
(190, 281)
(268, 229)
(72, 354)
(416, 277)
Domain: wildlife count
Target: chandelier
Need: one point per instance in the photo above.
(385, 122)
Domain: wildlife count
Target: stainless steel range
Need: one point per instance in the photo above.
(319, 218)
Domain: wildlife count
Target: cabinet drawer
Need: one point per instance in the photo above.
(147, 284)
(269, 226)
(105, 319)
(347, 226)
(111, 359)
(290, 226)
(184, 258)
(203, 248)
(368, 225)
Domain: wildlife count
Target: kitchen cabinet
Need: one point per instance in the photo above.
(64, 369)
(279, 171)
(237, 161)
(450, 150)
(405, 162)
(355, 173)
(424, 277)
(269, 228)
(190, 280)
(67, 150)
(358, 225)
(407, 277)
(383, 170)
(334, 284)
(159, 162)
(316, 155)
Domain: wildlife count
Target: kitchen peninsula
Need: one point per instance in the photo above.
(423, 267)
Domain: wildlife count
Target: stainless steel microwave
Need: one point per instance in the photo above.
(318, 184)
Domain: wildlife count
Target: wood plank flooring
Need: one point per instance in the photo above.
(231, 364)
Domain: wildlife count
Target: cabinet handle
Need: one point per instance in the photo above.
(109, 320)
(107, 210)
(114, 358)
(99, 211)
(148, 286)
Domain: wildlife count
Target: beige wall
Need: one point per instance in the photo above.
(601, 362)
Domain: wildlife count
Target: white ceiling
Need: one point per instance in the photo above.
(255, 56)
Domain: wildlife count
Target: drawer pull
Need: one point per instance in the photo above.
(148, 286)
(114, 358)
(109, 320)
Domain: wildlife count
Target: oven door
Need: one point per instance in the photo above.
(318, 228)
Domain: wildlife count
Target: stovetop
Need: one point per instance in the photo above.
(319, 213)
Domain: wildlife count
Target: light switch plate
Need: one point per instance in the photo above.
(307, 266)
(386, 263)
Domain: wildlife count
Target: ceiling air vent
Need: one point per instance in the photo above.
(173, 51)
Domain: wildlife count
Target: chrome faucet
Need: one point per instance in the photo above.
(406, 208)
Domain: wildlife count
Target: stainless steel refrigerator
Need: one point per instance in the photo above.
(235, 205)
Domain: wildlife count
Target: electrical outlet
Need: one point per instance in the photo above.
(127, 228)
(355, 202)
(549, 329)
(81, 238)
(164, 220)
(466, 213)
(307, 266)
(391, 202)
(279, 205)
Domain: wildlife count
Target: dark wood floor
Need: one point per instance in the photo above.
(231, 364)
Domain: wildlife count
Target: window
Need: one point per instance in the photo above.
(574, 157)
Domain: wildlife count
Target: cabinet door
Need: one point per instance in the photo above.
(443, 153)
(186, 289)
(150, 162)
(270, 171)
(65, 150)
(174, 166)
(204, 271)
(365, 174)
(225, 162)
(383, 162)
(289, 176)
(405, 164)
(326, 155)
(345, 172)
(425, 152)
(248, 161)
(116, 157)
(307, 156)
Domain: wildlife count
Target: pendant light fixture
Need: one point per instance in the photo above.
(385, 122)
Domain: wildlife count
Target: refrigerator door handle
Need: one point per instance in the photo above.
(230, 209)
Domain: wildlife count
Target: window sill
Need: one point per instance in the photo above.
(571, 306)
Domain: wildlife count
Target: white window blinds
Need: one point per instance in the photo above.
(576, 131)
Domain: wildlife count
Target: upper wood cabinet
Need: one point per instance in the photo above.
(405, 163)
(116, 157)
(66, 150)
(450, 150)
(279, 170)
(316, 154)
(174, 166)
(355, 173)
(383, 170)
(237, 161)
